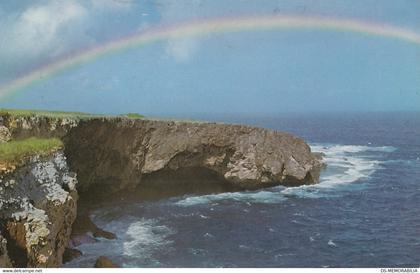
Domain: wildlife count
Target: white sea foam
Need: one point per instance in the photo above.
(345, 164)
(144, 237)
(208, 235)
(349, 163)
(340, 149)
(137, 240)
(246, 197)
(331, 243)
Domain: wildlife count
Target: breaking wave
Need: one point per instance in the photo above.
(253, 197)
(340, 149)
(144, 237)
(345, 164)
(138, 241)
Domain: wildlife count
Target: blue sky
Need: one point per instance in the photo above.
(257, 72)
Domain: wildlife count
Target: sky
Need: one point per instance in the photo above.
(252, 72)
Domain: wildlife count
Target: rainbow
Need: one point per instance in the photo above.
(197, 28)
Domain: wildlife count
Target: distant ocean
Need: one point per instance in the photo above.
(365, 212)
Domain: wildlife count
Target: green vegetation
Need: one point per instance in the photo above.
(133, 115)
(15, 150)
(82, 115)
(60, 114)
(180, 120)
(52, 114)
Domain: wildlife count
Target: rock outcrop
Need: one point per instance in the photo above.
(70, 254)
(104, 262)
(38, 199)
(20, 127)
(4, 256)
(115, 154)
(37, 210)
(4, 134)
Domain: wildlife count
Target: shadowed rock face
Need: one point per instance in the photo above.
(118, 153)
(4, 256)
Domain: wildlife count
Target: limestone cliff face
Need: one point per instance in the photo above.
(37, 209)
(117, 153)
(34, 126)
(38, 199)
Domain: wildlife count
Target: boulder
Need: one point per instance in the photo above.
(104, 262)
(85, 231)
(70, 254)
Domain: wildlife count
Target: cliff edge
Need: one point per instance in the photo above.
(38, 196)
(119, 153)
(37, 210)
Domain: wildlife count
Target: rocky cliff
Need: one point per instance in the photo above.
(37, 210)
(118, 153)
(20, 127)
(109, 155)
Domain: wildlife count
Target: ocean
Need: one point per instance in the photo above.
(365, 212)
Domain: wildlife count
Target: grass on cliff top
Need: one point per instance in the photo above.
(16, 150)
(53, 114)
(82, 115)
(61, 114)
(133, 115)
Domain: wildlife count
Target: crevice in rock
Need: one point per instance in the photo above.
(14, 233)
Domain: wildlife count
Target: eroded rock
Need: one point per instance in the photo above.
(85, 231)
(123, 150)
(5, 134)
(104, 262)
(21, 127)
(4, 256)
(38, 199)
(71, 254)
(37, 209)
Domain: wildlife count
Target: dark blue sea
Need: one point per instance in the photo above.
(365, 212)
